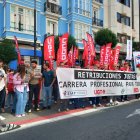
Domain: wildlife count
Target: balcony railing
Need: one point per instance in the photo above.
(100, 1)
(52, 8)
(97, 22)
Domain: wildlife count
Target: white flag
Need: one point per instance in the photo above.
(129, 50)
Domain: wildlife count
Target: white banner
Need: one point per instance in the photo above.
(81, 83)
(129, 50)
(136, 56)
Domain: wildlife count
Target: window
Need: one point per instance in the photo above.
(123, 19)
(69, 6)
(82, 7)
(125, 2)
(80, 31)
(13, 17)
(52, 27)
(21, 19)
(122, 38)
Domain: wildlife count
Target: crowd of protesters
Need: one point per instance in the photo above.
(20, 90)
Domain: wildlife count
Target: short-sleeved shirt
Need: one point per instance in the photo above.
(48, 77)
(2, 82)
(33, 80)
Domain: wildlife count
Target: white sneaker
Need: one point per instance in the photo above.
(18, 116)
(23, 115)
(29, 111)
(94, 106)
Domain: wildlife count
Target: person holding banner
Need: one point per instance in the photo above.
(64, 103)
(113, 99)
(34, 86)
(95, 101)
(48, 81)
(78, 102)
(125, 67)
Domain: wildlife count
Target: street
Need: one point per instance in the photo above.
(117, 123)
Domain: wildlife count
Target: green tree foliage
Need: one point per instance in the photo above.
(7, 51)
(136, 46)
(105, 36)
(71, 42)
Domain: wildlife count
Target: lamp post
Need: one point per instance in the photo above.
(35, 38)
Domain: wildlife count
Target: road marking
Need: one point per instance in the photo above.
(136, 112)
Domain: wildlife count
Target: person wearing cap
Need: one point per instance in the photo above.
(3, 87)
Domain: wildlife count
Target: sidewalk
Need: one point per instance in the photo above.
(48, 114)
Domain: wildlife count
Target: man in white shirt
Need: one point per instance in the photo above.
(3, 88)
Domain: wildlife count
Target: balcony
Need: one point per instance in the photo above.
(97, 22)
(97, 4)
(52, 9)
(99, 1)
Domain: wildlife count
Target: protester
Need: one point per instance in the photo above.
(64, 103)
(21, 87)
(95, 101)
(34, 87)
(10, 87)
(125, 67)
(113, 99)
(78, 102)
(3, 87)
(48, 81)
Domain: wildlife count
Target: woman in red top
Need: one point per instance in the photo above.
(10, 88)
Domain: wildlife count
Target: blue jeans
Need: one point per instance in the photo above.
(10, 99)
(21, 101)
(47, 99)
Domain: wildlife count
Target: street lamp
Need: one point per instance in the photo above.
(35, 38)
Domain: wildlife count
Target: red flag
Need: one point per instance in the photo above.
(75, 55)
(91, 44)
(116, 55)
(17, 50)
(85, 53)
(58, 57)
(49, 48)
(88, 58)
(70, 57)
(111, 61)
(63, 41)
(107, 53)
(102, 54)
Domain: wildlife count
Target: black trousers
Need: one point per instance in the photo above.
(2, 98)
(34, 91)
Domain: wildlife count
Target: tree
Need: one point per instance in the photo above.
(7, 51)
(104, 36)
(136, 46)
(71, 42)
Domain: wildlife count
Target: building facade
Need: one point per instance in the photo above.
(122, 17)
(60, 16)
